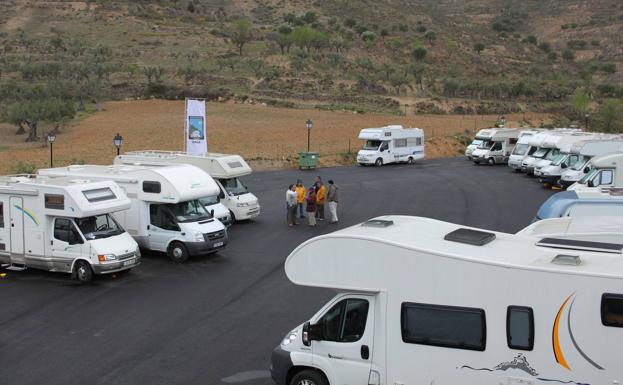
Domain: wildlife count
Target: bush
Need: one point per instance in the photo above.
(421, 29)
(553, 56)
(531, 39)
(350, 22)
(545, 47)
(576, 44)
(608, 68)
(23, 168)
(568, 55)
(595, 43)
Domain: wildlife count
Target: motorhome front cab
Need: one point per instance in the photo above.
(560, 153)
(497, 147)
(604, 172)
(226, 169)
(480, 136)
(586, 151)
(390, 144)
(521, 150)
(427, 302)
(166, 214)
(64, 225)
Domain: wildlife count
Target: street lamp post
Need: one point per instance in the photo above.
(51, 139)
(587, 116)
(118, 141)
(309, 127)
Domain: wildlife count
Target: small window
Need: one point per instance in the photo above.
(444, 326)
(520, 327)
(54, 201)
(161, 217)
(400, 143)
(345, 321)
(512, 141)
(151, 187)
(606, 177)
(418, 141)
(98, 195)
(612, 310)
(1, 215)
(61, 229)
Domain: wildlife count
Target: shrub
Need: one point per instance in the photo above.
(23, 168)
(608, 68)
(576, 44)
(478, 47)
(595, 43)
(568, 55)
(421, 29)
(419, 53)
(350, 22)
(531, 39)
(545, 47)
(553, 56)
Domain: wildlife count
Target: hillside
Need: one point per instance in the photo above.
(438, 56)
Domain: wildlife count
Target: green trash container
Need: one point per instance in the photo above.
(308, 160)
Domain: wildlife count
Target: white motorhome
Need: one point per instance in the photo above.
(605, 172)
(538, 140)
(496, 146)
(560, 147)
(390, 144)
(522, 149)
(166, 214)
(422, 301)
(64, 225)
(586, 150)
(226, 170)
(480, 136)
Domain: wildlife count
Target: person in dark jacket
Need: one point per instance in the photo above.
(311, 206)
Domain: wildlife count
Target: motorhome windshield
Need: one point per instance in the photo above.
(371, 145)
(579, 165)
(209, 201)
(558, 159)
(540, 153)
(588, 176)
(485, 144)
(521, 149)
(476, 142)
(552, 154)
(99, 226)
(189, 211)
(234, 186)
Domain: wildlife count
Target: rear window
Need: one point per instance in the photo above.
(151, 187)
(54, 201)
(612, 310)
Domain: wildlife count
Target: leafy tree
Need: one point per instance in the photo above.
(350, 22)
(384, 33)
(420, 29)
(289, 18)
(610, 115)
(531, 39)
(241, 33)
(153, 74)
(398, 79)
(303, 37)
(368, 38)
(431, 36)
(545, 47)
(283, 40)
(310, 17)
(478, 47)
(419, 53)
(418, 70)
(568, 55)
(580, 102)
(452, 47)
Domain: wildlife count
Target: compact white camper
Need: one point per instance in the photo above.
(560, 148)
(605, 172)
(391, 144)
(480, 136)
(226, 169)
(496, 146)
(522, 149)
(428, 302)
(64, 225)
(165, 214)
(586, 150)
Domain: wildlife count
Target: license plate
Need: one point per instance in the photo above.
(218, 244)
(128, 262)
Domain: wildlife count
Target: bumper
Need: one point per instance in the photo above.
(514, 166)
(243, 213)
(115, 267)
(550, 179)
(280, 364)
(226, 221)
(565, 183)
(207, 247)
(365, 160)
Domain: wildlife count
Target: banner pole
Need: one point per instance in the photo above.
(184, 146)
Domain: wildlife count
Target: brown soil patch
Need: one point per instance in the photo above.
(268, 137)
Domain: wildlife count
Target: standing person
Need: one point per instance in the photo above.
(300, 197)
(321, 197)
(291, 205)
(311, 206)
(332, 199)
(317, 181)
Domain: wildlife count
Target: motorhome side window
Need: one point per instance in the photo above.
(400, 143)
(418, 141)
(151, 187)
(606, 177)
(346, 321)
(520, 327)
(65, 231)
(54, 201)
(444, 326)
(612, 310)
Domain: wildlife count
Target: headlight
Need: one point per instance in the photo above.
(106, 257)
(290, 337)
(198, 236)
(242, 204)
(137, 252)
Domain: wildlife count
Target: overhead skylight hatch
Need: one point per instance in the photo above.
(470, 237)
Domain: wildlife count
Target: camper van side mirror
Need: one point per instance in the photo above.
(586, 170)
(590, 183)
(212, 213)
(311, 333)
(563, 165)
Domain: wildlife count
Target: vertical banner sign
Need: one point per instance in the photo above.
(195, 134)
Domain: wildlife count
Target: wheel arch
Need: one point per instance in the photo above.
(76, 260)
(293, 371)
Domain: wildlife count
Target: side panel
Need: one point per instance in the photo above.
(17, 228)
(5, 232)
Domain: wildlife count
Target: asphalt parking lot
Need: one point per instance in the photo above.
(216, 319)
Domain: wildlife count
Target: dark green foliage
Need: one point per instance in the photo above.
(531, 39)
(608, 68)
(350, 22)
(478, 47)
(419, 53)
(545, 47)
(568, 55)
(576, 44)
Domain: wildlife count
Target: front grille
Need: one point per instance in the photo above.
(125, 256)
(214, 235)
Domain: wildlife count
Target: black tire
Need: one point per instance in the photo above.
(233, 217)
(83, 272)
(378, 162)
(177, 252)
(491, 162)
(308, 377)
(410, 160)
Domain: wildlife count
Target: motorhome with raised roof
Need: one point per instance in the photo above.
(390, 144)
(586, 150)
(560, 148)
(165, 213)
(226, 169)
(605, 172)
(64, 225)
(480, 136)
(496, 146)
(522, 149)
(421, 301)
(539, 140)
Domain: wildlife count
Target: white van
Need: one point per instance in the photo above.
(560, 147)
(64, 225)
(586, 150)
(391, 144)
(422, 301)
(226, 169)
(522, 149)
(480, 136)
(496, 146)
(166, 214)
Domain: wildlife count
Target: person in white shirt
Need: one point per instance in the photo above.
(291, 203)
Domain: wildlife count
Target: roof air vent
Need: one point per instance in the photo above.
(377, 223)
(567, 260)
(470, 237)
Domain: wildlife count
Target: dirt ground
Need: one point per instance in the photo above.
(267, 137)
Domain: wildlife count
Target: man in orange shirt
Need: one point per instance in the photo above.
(321, 197)
(300, 197)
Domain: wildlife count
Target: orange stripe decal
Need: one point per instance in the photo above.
(560, 358)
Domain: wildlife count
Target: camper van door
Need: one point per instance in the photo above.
(347, 337)
(66, 245)
(162, 227)
(17, 229)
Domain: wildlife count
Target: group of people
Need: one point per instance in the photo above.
(311, 201)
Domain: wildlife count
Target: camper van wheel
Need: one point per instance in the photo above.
(308, 377)
(410, 160)
(491, 161)
(378, 162)
(233, 217)
(177, 252)
(83, 272)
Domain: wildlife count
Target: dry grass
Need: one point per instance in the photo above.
(267, 136)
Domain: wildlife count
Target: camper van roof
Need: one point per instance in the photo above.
(596, 229)
(305, 265)
(215, 164)
(612, 159)
(598, 145)
(389, 132)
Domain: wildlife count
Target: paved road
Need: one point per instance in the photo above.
(216, 319)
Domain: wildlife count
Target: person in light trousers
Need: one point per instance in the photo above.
(291, 205)
(332, 200)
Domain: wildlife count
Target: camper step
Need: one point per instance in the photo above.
(16, 267)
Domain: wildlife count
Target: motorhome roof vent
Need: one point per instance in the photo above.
(469, 236)
(567, 260)
(575, 244)
(378, 223)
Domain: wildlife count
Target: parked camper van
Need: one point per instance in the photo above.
(166, 214)
(64, 225)
(586, 150)
(560, 148)
(522, 149)
(226, 170)
(582, 203)
(480, 136)
(604, 172)
(390, 144)
(422, 301)
(544, 146)
(496, 146)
